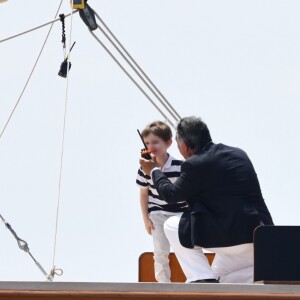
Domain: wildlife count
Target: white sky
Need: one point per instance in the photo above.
(234, 63)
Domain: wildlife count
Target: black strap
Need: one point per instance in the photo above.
(63, 39)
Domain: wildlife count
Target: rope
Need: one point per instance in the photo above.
(21, 243)
(139, 75)
(54, 270)
(35, 28)
(24, 246)
(163, 101)
(132, 79)
(34, 66)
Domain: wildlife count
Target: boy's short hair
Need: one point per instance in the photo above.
(158, 128)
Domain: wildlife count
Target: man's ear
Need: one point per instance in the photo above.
(189, 151)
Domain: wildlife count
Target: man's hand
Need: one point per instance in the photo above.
(148, 165)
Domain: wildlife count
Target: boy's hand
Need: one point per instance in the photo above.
(149, 225)
(148, 164)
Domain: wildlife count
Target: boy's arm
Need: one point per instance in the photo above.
(144, 207)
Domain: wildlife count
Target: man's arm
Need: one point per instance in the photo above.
(185, 186)
(183, 189)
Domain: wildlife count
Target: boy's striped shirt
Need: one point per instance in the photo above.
(172, 170)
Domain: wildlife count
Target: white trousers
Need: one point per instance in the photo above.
(161, 247)
(231, 264)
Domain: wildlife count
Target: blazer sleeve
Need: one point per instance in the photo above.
(184, 187)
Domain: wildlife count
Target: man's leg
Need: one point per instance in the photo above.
(234, 264)
(193, 262)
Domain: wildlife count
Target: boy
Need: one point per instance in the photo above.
(158, 138)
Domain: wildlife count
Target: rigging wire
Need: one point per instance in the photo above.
(62, 144)
(131, 78)
(35, 64)
(139, 75)
(170, 108)
(24, 246)
(129, 59)
(54, 270)
(132, 63)
(136, 68)
(87, 15)
(35, 28)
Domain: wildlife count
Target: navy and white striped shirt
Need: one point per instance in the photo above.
(172, 170)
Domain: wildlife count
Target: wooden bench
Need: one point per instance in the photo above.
(146, 267)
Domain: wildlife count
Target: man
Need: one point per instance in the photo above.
(226, 205)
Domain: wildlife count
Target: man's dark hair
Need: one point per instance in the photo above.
(194, 132)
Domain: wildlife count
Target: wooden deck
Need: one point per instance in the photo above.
(143, 291)
(146, 288)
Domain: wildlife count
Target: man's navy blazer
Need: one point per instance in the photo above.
(222, 190)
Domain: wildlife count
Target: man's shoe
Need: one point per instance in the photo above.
(211, 280)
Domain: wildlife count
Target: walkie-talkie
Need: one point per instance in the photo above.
(145, 153)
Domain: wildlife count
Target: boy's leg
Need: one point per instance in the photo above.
(193, 262)
(161, 248)
(234, 264)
